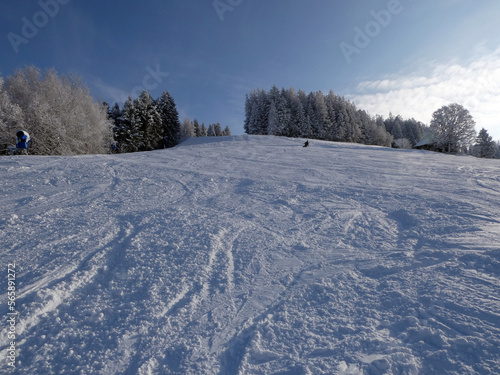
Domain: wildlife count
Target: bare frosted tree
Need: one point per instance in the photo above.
(453, 128)
(10, 120)
(187, 128)
(403, 143)
(59, 113)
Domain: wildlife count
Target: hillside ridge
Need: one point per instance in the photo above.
(253, 255)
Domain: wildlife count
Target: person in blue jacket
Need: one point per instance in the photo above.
(23, 140)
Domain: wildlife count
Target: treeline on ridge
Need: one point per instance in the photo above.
(331, 117)
(62, 118)
(145, 124)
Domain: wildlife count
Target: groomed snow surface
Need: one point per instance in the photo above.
(253, 255)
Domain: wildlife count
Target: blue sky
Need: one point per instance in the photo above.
(405, 56)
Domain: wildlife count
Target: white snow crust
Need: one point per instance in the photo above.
(253, 255)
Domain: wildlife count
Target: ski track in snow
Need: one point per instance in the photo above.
(252, 255)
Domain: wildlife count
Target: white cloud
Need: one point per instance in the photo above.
(475, 85)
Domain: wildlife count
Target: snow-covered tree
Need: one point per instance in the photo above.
(274, 126)
(226, 132)
(279, 113)
(335, 133)
(218, 129)
(485, 147)
(211, 130)
(115, 113)
(396, 131)
(400, 128)
(187, 128)
(150, 122)
(352, 123)
(297, 114)
(203, 130)
(413, 130)
(248, 113)
(403, 143)
(305, 125)
(324, 124)
(453, 128)
(197, 129)
(11, 120)
(373, 130)
(257, 108)
(130, 135)
(171, 125)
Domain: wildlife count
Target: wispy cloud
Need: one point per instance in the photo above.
(474, 84)
(108, 92)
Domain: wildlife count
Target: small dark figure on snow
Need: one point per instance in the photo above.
(306, 144)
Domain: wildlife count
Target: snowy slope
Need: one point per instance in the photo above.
(253, 255)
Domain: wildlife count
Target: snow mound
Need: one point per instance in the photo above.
(253, 255)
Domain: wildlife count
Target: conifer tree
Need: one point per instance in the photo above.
(248, 112)
(114, 113)
(334, 133)
(130, 138)
(305, 122)
(396, 131)
(211, 131)
(485, 147)
(226, 132)
(149, 121)
(279, 113)
(171, 125)
(218, 129)
(263, 106)
(318, 113)
(119, 131)
(197, 129)
(203, 130)
(297, 114)
(342, 120)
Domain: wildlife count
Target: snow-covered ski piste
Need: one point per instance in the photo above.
(251, 255)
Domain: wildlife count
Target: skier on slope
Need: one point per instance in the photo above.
(306, 144)
(23, 142)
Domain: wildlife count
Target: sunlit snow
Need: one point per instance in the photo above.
(253, 255)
